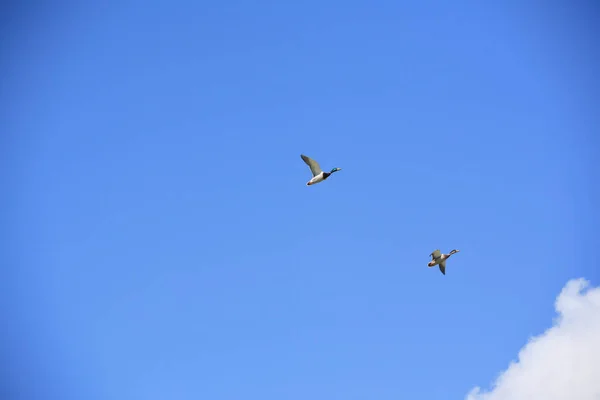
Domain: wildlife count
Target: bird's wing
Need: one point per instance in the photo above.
(314, 166)
(442, 266)
(436, 254)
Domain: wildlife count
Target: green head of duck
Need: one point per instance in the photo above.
(335, 170)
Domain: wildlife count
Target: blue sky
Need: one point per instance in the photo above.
(160, 239)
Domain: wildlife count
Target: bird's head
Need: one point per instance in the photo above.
(335, 170)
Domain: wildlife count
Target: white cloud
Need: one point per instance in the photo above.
(563, 363)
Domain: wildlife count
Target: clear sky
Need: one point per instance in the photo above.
(160, 239)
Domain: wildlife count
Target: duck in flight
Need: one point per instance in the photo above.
(317, 174)
(438, 258)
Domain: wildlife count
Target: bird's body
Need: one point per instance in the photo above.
(438, 258)
(318, 175)
(318, 178)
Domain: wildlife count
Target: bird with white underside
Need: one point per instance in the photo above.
(318, 175)
(438, 258)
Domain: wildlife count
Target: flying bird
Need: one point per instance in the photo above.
(315, 169)
(439, 259)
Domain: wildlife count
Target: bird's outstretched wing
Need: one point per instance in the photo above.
(314, 166)
(442, 266)
(436, 254)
